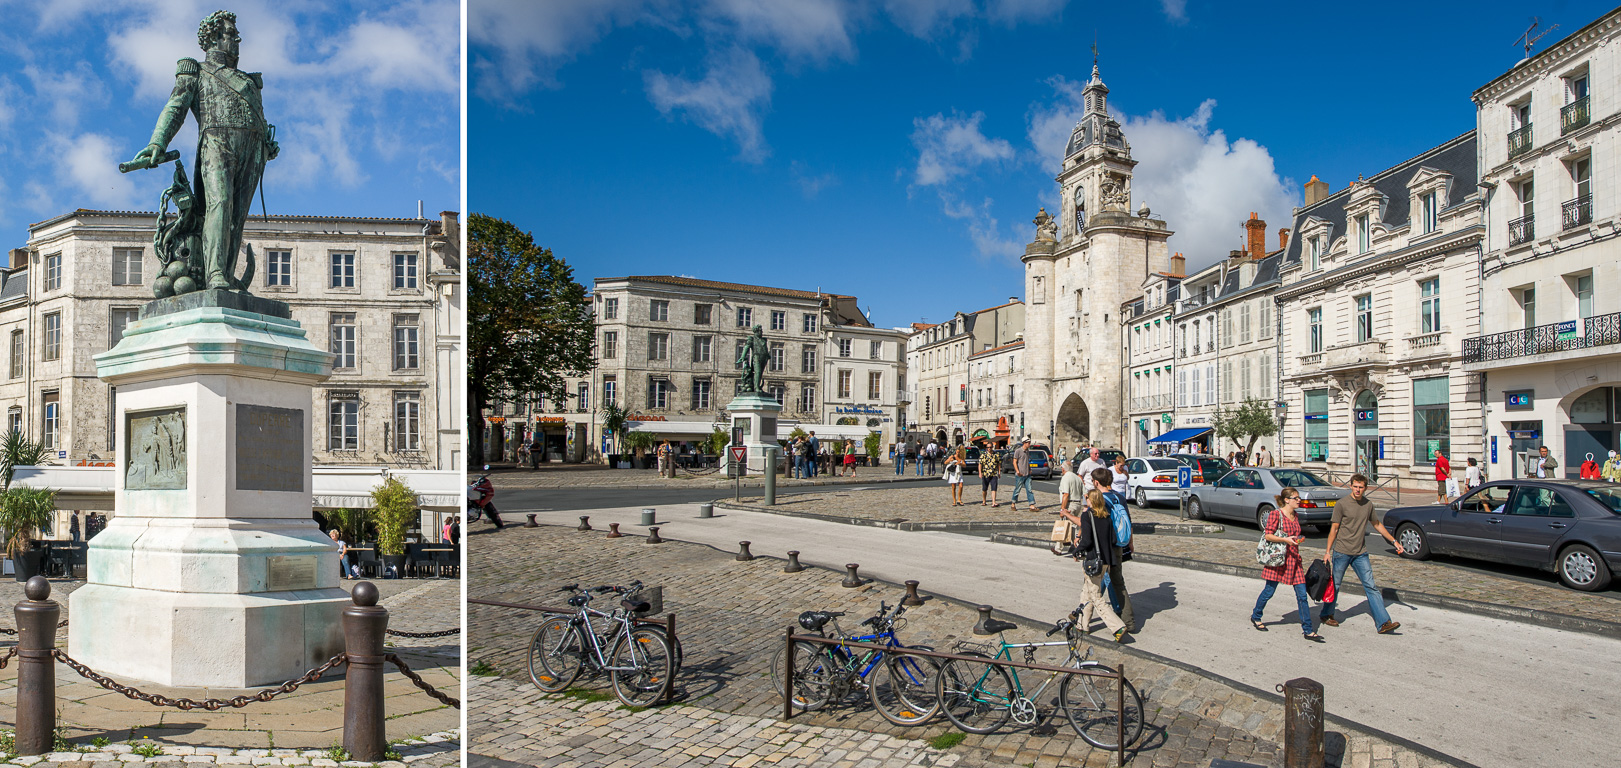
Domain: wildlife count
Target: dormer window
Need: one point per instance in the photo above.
(1316, 255)
(1431, 216)
(1364, 234)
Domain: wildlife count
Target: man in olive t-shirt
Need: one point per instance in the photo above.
(1347, 545)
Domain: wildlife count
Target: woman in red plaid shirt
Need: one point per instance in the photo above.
(1283, 527)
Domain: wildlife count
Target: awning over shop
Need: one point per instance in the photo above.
(1180, 435)
(824, 431)
(692, 428)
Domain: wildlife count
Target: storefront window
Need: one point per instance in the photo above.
(1316, 425)
(1431, 421)
(1591, 408)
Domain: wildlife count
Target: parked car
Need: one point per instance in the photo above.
(1570, 527)
(1151, 478)
(1206, 468)
(1248, 494)
(1041, 463)
(1108, 455)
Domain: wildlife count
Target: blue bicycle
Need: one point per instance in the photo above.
(901, 687)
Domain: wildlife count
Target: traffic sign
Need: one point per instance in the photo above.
(1184, 476)
(740, 453)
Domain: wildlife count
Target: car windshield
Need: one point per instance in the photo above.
(1296, 478)
(1036, 453)
(1213, 468)
(1157, 464)
(1610, 499)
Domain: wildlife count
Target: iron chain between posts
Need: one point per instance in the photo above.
(440, 633)
(11, 654)
(8, 631)
(189, 704)
(420, 683)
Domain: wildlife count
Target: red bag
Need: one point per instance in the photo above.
(1330, 592)
(1590, 470)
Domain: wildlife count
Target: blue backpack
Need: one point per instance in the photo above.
(1120, 517)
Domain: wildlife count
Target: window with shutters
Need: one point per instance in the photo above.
(1181, 387)
(1227, 381)
(1266, 319)
(1226, 327)
(1244, 323)
(1266, 375)
(1210, 383)
(1197, 396)
(16, 354)
(1243, 378)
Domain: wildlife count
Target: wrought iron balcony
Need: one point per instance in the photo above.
(1519, 141)
(1210, 346)
(1573, 116)
(1578, 212)
(1543, 339)
(1521, 230)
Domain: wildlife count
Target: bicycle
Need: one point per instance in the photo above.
(901, 687)
(980, 697)
(641, 658)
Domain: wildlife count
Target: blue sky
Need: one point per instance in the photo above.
(896, 150)
(365, 98)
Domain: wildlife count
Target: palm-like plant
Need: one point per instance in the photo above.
(25, 510)
(613, 420)
(16, 450)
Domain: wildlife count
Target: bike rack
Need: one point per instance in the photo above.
(668, 621)
(1119, 675)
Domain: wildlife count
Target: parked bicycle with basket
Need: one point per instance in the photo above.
(637, 656)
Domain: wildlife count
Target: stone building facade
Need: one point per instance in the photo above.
(1379, 288)
(864, 374)
(1147, 341)
(1549, 355)
(372, 290)
(996, 390)
(944, 402)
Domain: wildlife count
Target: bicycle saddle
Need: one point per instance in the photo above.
(815, 620)
(579, 600)
(993, 626)
(638, 606)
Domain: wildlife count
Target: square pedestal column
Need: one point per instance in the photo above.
(756, 415)
(211, 572)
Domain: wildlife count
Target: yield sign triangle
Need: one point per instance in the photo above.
(740, 453)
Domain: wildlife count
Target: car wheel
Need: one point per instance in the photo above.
(1582, 568)
(1195, 509)
(1415, 545)
(1142, 498)
(1261, 515)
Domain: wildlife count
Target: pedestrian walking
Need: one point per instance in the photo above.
(1096, 537)
(1347, 546)
(73, 527)
(990, 471)
(1283, 527)
(1090, 464)
(1542, 465)
(900, 458)
(933, 453)
(954, 468)
(1263, 457)
(444, 530)
(456, 529)
(849, 458)
(1021, 475)
(815, 452)
(1240, 459)
(1443, 473)
(1473, 478)
(1121, 480)
(1119, 598)
(523, 453)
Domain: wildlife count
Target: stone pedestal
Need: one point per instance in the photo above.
(756, 414)
(211, 572)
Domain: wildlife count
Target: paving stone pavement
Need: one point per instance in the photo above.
(437, 750)
(309, 718)
(731, 616)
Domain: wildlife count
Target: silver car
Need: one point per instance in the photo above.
(1248, 494)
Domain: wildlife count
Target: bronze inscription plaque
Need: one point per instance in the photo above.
(270, 448)
(155, 450)
(286, 572)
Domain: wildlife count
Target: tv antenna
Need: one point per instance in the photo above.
(1529, 40)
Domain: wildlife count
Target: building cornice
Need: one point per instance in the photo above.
(1463, 238)
(1550, 59)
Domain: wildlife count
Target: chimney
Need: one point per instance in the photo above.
(1283, 238)
(19, 258)
(1012, 299)
(1179, 265)
(1316, 190)
(1255, 236)
(1237, 253)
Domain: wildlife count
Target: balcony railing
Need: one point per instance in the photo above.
(1151, 403)
(1578, 212)
(1210, 346)
(1519, 141)
(1573, 116)
(1311, 359)
(1543, 339)
(1425, 341)
(1521, 230)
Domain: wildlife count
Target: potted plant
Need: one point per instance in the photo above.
(18, 451)
(393, 504)
(875, 448)
(715, 444)
(23, 511)
(639, 442)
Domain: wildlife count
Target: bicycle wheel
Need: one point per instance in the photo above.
(903, 689)
(975, 695)
(647, 654)
(1090, 703)
(675, 646)
(813, 674)
(555, 654)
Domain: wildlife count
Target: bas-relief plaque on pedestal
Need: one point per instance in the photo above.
(286, 572)
(155, 453)
(270, 448)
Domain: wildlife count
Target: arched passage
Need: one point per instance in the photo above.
(1074, 421)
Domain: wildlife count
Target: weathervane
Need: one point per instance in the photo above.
(1094, 47)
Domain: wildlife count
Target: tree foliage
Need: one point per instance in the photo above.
(529, 326)
(393, 505)
(1250, 421)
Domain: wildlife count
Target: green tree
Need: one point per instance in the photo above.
(393, 505)
(1250, 421)
(18, 451)
(716, 442)
(529, 325)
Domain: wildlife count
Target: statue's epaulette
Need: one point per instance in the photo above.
(187, 67)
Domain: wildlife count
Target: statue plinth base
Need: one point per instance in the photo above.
(211, 572)
(756, 414)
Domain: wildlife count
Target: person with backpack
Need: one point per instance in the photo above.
(1120, 540)
(1095, 551)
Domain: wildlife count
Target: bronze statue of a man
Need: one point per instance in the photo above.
(233, 144)
(753, 358)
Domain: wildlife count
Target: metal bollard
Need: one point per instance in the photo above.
(1302, 723)
(793, 565)
(364, 622)
(649, 516)
(36, 668)
(851, 578)
(585, 523)
(984, 616)
(911, 600)
(613, 531)
(743, 553)
(770, 467)
(531, 523)
(653, 536)
(706, 511)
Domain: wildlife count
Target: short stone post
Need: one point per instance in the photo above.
(531, 523)
(743, 553)
(770, 466)
(1302, 723)
(613, 531)
(984, 617)
(36, 668)
(653, 536)
(851, 578)
(585, 523)
(363, 625)
(911, 600)
(793, 565)
(706, 510)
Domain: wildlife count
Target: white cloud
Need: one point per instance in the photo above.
(1202, 183)
(949, 147)
(89, 162)
(65, 94)
(807, 29)
(727, 102)
(983, 228)
(810, 184)
(531, 39)
(927, 18)
(1012, 12)
(1175, 10)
